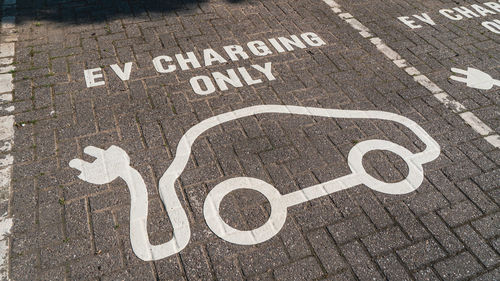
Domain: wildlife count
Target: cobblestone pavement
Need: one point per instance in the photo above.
(66, 228)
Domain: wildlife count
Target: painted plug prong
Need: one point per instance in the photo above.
(474, 78)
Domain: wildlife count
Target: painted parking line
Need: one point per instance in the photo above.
(7, 51)
(470, 118)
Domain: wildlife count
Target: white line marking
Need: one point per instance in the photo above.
(114, 163)
(5, 61)
(6, 82)
(5, 226)
(386, 50)
(452, 104)
(6, 69)
(428, 84)
(493, 139)
(476, 124)
(7, 52)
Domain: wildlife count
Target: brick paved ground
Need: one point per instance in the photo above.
(68, 229)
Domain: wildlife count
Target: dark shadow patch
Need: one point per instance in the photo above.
(91, 11)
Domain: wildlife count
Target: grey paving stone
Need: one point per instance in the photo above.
(196, 264)
(345, 204)
(375, 211)
(294, 241)
(488, 181)
(321, 212)
(305, 269)
(166, 268)
(426, 274)
(491, 275)
(477, 196)
(486, 226)
(279, 155)
(360, 262)
(392, 268)
(133, 273)
(385, 240)
(350, 229)
(342, 276)
(413, 228)
(459, 213)
(494, 195)
(58, 273)
(496, 244)
(442, 233)
(68, 249)
(461, 266)
(228, 270)
(195, 175)
(96, 266)
(112, 198)
(326, 250)
(423, 203)
(421, 253)
(445, 186)
(23, 267)
(465, 169)
(268, 256)
(478, 246)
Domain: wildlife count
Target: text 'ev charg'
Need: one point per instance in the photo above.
(457, 14)
(235, 77)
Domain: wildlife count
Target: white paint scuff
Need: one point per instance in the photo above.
(7, 52)
(5, 226)
(477, 125)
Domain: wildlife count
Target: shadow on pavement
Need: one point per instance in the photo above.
(90, 11)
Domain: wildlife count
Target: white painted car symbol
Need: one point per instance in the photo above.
(114, 163)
